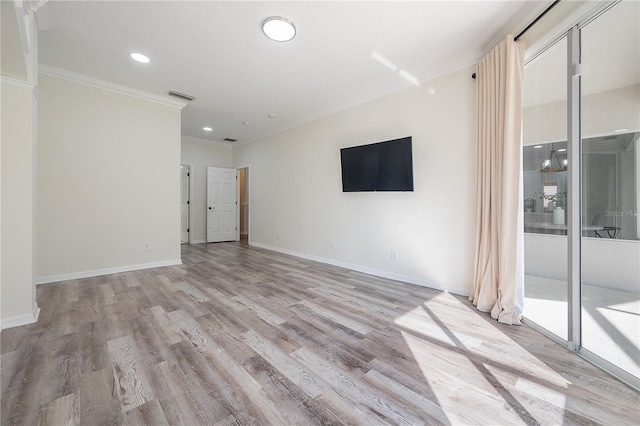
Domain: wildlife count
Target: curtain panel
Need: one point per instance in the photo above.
(498, 283)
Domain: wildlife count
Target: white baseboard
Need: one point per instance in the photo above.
(21, 319)
(108, 271)
(367, 270)
(198, 241)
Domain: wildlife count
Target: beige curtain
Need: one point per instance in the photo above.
(498, 283)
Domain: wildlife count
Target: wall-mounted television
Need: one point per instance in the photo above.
(382, 166)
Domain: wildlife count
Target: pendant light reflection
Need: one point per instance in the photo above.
(547, 164)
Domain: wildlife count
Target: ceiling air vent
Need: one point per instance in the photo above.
(182, 96)
(230, 140)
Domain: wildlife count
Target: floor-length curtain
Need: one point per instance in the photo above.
(498, 283)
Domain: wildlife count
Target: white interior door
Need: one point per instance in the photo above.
(221, 204)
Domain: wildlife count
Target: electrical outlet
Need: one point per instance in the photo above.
(394, 254)
(146, 246)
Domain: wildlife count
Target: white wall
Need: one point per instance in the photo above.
(18, 303)
(108, 181)
(602, 114)
(297, 204)
(200, 155)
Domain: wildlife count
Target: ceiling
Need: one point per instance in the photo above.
(344, 53)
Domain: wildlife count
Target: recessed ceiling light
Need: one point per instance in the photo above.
(538, 146)
(207, 129)
(245, 123)
(140, 58)
(278, 28)
(272, 115)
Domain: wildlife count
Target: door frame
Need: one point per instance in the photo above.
(247, 182)
(190, 210)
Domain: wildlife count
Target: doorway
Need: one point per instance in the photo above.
(243, 197)
(185, 203)
(581, 162)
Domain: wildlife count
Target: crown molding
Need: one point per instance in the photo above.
(23, 84)
(42, 17)
(107, 85)
(207, 142)
(523, 17)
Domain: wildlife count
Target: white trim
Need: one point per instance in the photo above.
(107, 85)
(248, 191)
(23, 84)
(366, 270)
(21, 319)
(107, 271)
(42, 16)
(190, 166)
(207, 142)
(198, 242)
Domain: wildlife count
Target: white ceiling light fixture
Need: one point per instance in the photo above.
(140, 58)
(207, 129)
(278, 28)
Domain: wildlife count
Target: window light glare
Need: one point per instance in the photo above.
(620, 130)
(562, 150)
(538, 146)
(207, 129)
(140, 58)
(278, 28)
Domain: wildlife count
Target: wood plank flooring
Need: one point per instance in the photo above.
(242, 335)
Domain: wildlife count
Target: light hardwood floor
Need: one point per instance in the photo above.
(241, 335)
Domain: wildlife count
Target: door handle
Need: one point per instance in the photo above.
(210, 208)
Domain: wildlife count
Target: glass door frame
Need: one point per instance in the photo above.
(574, 199)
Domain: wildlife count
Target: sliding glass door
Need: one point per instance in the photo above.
(545, 189)
(610, 255)
(581, 159)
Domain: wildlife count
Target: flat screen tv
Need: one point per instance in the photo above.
(382, 166)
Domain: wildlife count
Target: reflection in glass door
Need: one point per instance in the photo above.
(581, 164)
(545, 190)
(610, 255)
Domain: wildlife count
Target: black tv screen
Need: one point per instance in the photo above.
(382, 166)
